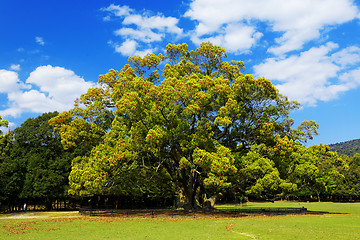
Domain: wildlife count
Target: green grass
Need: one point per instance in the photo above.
(67, 226)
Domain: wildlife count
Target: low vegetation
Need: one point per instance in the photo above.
(341, 222)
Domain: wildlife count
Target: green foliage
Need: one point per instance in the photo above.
(35, 164)
(348, 148)
(318, 170)
(187, 124)
(182, 122)
(349, 186)
(3, 123)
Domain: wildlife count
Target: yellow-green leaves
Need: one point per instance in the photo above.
(185, 164)
(189, 117)
(307, 130)
(218, 166)
(155, 136)
(3, 123)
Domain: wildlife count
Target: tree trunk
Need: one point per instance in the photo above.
(185, 199)
(318, 196)
(209, 203)
(186, 187)
(48, 204)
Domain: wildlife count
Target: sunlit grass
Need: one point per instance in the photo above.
(343, 222)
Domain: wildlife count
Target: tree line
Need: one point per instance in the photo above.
(186, 125)
(348, 148)
(34, 166)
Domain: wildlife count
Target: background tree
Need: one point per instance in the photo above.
(317, 170)
(36, 166)
(348, 188)
(11, 178)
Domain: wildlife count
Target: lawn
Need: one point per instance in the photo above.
(343, 222)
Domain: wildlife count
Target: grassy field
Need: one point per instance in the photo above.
(343, 222)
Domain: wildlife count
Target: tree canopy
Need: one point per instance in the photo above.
(187, 125)
(184, 122)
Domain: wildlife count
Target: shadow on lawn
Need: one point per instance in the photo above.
(236, 212)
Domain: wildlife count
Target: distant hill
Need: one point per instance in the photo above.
(348, 148)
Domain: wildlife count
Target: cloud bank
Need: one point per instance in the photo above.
(293, 38)
(140, 30)
(319, 74)
(47, 89)
(298, 55)
(295, 22)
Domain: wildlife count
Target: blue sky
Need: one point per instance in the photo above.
(52, 51)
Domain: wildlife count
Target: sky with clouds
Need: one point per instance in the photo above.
(53, 51)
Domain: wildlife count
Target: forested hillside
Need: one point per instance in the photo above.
(348, 148)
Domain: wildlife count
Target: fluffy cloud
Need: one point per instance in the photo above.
(8, 81)
(313, 75)
(298, 21)
(15, 67)
(40, 41)
(140, 30)
(51, 88)
(117, 11)
(127, 48)
(285, 29)
(351, 79)
(237, 25)
(143, 35)
(58, 82)
(130, 48)
(235, 38)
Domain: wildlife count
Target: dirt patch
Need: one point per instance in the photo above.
(229, 227)
(52, 229)
(22, 228)
(25, 227)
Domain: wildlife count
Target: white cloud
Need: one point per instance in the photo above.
(298, 21)
(117, 10)
(138, 31)
(129, 48)
(312, 76)
(40, 41)
(161, 23)
(351, 78)
(35, 101)
(235, 38)
(143, 35)
(15, 67)
(57, 89)
(347, 56)
(58, 82)
(8, 81)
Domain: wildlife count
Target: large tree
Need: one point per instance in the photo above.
(183, 119)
